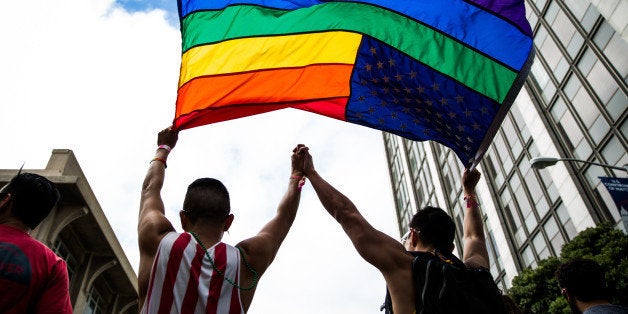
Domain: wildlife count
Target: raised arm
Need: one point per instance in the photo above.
(377, 248)
(474, 253)
(261, 249)
(152, 223)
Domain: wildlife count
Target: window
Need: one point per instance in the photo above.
(565, 220)
(617, 105)
(575, 45)
(599, 129)
(540, 246)
(563, 28)
(95, 303)
(583, 150)
(572, 87)
(613, 151)
(578, 7)
(555, 238)
(551, 53)
(528, 257)
(571, 129)
(62, 251)
(558, 109)
(586, 62)
(616, 51)
(589, 19)
(603, 35)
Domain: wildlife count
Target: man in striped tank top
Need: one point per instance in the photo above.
(194, 272)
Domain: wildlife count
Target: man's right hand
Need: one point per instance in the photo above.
(470, 179)
(168, 137)
(305, 159)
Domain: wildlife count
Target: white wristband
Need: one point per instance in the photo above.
(166, 147)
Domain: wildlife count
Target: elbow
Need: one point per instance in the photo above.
(344, 213)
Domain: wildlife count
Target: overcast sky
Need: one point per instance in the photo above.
(100, 78)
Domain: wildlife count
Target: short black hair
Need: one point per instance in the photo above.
(207, 199)
(584, 279)
(32, 197)
(435, 227)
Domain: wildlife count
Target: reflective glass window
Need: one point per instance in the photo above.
(565, 221)
(583, 149)
(593, 175)
(563, 28)
(599, 129)
(585, 107)
(528, 257)
(572, 87)
(542, 207)
(551, 12)
(558, 109)
(561, 69)
(617, 105)
(540, 74)
(603, 35)
(555, 238)
(613, 151)
(575, 45)
(540, 246)
(551, 53)
(533, 186)
(616, 51)
(587, 61)
(579, 7)
(549, 91)
(571, 128)
(589, 19)
(602, 82)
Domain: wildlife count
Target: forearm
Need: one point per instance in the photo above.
(154, 180)
(473, 222)
(337, 204)
(289, 204)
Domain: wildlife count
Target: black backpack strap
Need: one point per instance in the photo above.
(387, 306)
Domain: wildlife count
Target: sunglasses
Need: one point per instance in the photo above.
(406, 236)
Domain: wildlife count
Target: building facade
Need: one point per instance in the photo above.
(101, 277)
(574, 105)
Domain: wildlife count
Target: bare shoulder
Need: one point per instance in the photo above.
(401, 285)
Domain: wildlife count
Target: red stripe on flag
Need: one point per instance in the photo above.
(333, 108)
(191, 293)
(174, 261)
(215, 284)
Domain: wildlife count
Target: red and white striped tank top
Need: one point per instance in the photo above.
(182, 279)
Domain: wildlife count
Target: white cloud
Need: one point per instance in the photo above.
(88, 76)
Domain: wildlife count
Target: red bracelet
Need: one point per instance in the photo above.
(160, 159)
(471, 200)
(301, 181)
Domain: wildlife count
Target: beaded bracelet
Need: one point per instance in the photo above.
(160, 159)
(471, 200)
(301, 181)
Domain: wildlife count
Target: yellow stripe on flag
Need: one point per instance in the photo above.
(259, 53)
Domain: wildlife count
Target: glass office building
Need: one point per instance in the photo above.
(574, 105)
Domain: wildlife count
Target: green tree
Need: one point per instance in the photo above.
(536, 290)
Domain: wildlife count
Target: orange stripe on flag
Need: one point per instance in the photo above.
(290, 87)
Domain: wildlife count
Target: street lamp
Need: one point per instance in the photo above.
(542, 162)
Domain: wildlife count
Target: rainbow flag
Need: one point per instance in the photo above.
(441, 70)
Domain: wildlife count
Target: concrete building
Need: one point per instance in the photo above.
(101, 277)
(573, 105)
